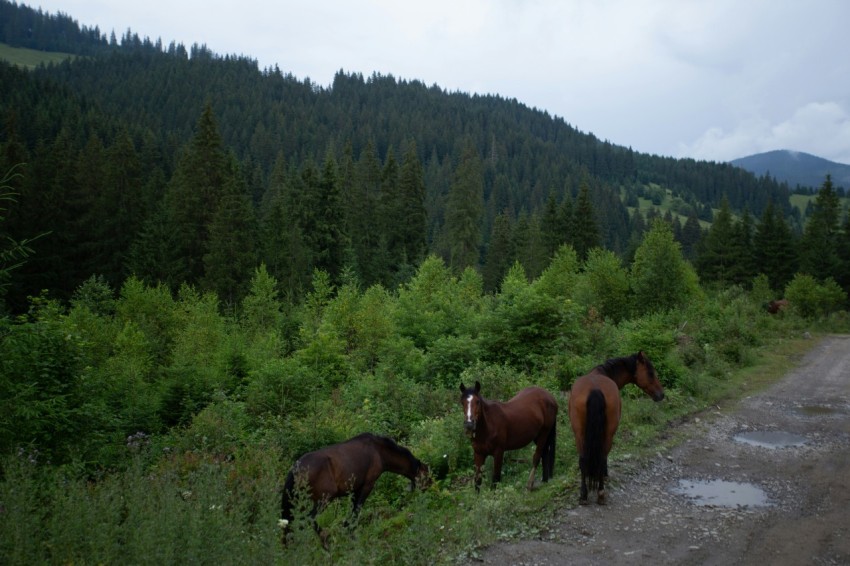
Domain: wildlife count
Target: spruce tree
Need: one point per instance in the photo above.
(464, 211)
(500, 253)
(774, 248)
(232, 256)
(412, 214)
(195, 192)
(585, 229)
(717, 254)
(818, 252)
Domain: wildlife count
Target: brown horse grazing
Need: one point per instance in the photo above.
(594, 409)
(351, 467)
(774, 307)
(494, 427)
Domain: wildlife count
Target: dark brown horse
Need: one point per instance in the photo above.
(495, 427)
(595, 414)
(774, 307)
(351, 467)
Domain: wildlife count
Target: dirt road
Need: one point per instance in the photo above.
(784, 453)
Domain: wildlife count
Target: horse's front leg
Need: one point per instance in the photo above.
(479, 466)
(359, 497)
(498, 456)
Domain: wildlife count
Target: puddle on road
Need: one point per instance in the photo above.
(771, 438)
(816, 410)
(719, 493)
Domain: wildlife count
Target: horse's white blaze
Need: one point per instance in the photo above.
(469, 408)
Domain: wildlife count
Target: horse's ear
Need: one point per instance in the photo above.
(462, 387)
(477, 386)
(641, 356)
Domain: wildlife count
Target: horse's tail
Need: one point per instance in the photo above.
(594, 439)
(549, 453)
(288, 495)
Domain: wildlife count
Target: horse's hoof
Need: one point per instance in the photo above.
(600, 500)
(582, 501)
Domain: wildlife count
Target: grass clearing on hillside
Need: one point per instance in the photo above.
(30, 58)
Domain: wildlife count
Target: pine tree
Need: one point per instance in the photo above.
(585, 229)
(818, 252)
(743, 269)
(717, 254)
(412, 214)
(194, 193)
(500, 253)
(464, 211)
(233, 232)
(691, 234)
(774, 248)
(329, 238)
(364, 224)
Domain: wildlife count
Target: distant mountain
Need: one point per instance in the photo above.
(796, 168)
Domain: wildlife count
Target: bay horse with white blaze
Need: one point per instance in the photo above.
(350, 467)
(495, 427)
(595, 408)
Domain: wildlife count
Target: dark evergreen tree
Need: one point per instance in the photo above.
(529, 247)
(716, 258)
(464, 211)
(194, 194)
(411, 210)
(691, 234)
(818, 251)
(232, 257)
(282, 246)
(500, 253)
(743, 268)
(774, 248)
(330, 241)
(365, 225)
(585, 233)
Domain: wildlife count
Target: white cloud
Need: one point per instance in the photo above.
(819, 128)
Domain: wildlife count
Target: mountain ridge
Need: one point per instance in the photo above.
(797, 168)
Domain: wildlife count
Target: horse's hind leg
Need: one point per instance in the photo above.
(582, 464)
(600, 493)
(538, 452)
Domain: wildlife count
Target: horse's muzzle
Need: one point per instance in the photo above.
(658, 396)
(469, 428)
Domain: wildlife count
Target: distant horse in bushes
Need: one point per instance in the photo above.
(350, 467)
(495, 427)
(775, 307)
(594, 409)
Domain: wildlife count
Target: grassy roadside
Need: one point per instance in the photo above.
(452, 523)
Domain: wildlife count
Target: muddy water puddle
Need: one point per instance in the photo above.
(771, 438)
(720, 493)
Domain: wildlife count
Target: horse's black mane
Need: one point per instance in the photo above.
(390, 444)
(609, 367)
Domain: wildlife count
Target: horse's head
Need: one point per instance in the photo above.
(422, 478)
(470, 400)
(646, 379)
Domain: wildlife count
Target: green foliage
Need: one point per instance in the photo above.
(661, 279)
(811, 298)
(654, 334)
(559, 279)
(525, 324)
(605, 285)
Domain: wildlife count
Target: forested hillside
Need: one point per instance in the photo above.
(107, 141)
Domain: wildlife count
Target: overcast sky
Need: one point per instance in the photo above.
(708, 79)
